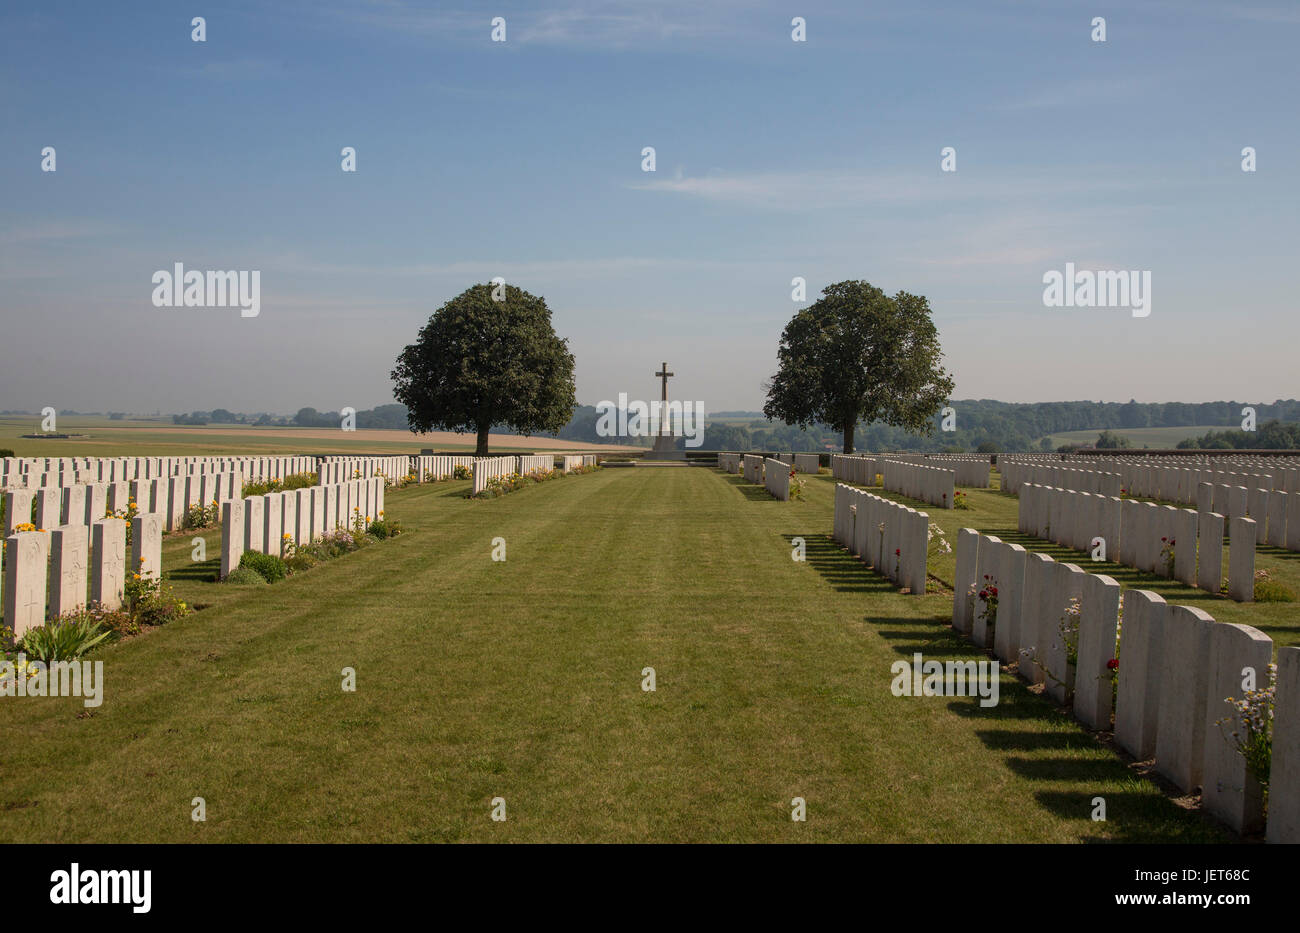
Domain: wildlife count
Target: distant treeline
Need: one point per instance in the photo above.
(1008, 426)
(980, 423)
(384, 416)
(1271, 436)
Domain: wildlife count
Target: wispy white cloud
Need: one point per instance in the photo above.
(607, 23)
(820, 190)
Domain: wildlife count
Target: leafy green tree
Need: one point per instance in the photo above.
(858, 354)
(479, 362)
(307, 418)
(1110, 441)
(726, 437)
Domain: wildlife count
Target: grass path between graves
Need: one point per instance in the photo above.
(522, 680)
(993, 513)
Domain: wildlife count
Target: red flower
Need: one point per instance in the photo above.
(984, 594)
(897, 552)
(1164, 539)
(1113, 664)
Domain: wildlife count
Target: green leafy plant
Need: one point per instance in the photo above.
(268, 566)
(63, 639)
(245, 576)
(796, 486)
(1252, 724)
(149, 602)
(202, 516)
(292, 481)
(1167, 555)
(936, 543)
(988, 595)
(1268, 590)
(384, 528)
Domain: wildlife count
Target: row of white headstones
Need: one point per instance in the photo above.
(77, 553)
(36, 472)
(1178, 669)
(1181, 544)
(935, 485)
(770, 473)
(49, 572)
(1169, 479)
(273, 522)
(732, 462)
(486, 469)
(887, 536)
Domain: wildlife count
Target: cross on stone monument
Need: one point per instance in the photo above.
(665, 446)
(663, 375)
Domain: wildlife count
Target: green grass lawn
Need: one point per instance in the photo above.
(478, 679)
(103, 437)
(1155, 438)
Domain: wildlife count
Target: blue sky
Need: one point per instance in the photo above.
(522, 159)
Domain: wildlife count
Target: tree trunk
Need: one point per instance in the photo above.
(848, 436)
(482, 449)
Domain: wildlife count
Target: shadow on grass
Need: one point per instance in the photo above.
(1133, 816)
(1037, 743)
(1144, 814)
(1127, 577)
(199, 572)
(1273, 552)
(748, 490)
(838, 567)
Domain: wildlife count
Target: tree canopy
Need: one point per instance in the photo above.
(857, 354)
(480, 362)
